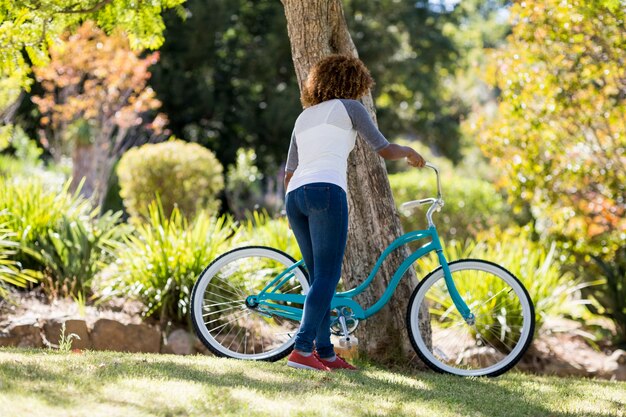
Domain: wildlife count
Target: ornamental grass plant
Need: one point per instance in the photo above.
(260, 229)
(160, 261)
(58, 237)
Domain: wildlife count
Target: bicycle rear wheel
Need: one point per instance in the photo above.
(494, 343)
(223, 321)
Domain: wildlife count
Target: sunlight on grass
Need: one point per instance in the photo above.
(51, 384)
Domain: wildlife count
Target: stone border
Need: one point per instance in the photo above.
(104, 334)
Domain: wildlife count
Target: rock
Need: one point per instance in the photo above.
(112, 335)
(23, 335)
(180, 342)
(6, 339)
(619, 356)
(614, 366)
(200, 347)
(52, 331)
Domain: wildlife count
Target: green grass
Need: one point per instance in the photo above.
(50, 383)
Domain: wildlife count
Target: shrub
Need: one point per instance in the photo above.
(244, 190)
(553, 292)
(610, 295)
(183, 175)
(160, 262)
(471, 205)
(76, 250)
(33, 208)
(58, 234)
(11, 272)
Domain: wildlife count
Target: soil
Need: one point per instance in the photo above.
(33, 306)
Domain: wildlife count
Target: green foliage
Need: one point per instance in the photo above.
(226, 79)
(559, 134)
(11, 272)
(58, 234)
(610, 295)
(34, 26)
(417, 53)
(244, 190)
(26, 149)
(261, 229)
(471, 204)
(75, 250)
(21, 154)
(33, 209)
(160, 262)
(183, 175)
(553, 292)
(65, 341)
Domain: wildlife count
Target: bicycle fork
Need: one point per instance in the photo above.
(460, 305)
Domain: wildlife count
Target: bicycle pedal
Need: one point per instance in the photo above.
(348, 341)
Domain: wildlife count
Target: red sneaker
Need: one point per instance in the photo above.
(338, 363)
(311, 362)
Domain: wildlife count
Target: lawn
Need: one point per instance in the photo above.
(51, 383)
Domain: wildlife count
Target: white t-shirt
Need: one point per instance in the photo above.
(322, 139)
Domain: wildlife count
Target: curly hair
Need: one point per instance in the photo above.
(336, 76)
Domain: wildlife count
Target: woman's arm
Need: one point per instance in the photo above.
(394, 151)
(288, 176)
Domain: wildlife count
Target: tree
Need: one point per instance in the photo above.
(28, 28)
(224, 78)
(560, 131)
(225, 81)
(94, 93)
(316, 29)
(33, 26)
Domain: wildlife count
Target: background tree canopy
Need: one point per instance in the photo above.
(233, 86)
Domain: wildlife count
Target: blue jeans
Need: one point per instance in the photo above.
(318, 215)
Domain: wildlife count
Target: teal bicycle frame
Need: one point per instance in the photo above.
(266, 299)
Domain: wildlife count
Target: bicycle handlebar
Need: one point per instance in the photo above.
(437, 203)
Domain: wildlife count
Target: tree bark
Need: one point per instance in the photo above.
(317, 28)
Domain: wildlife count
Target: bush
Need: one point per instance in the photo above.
(76, 250)
(553, 292)
(183, 175)
(610, 295)
(244, 190)
(260, 229)
(11, 272)
(471, 205)
(161, 261)
(58, 234)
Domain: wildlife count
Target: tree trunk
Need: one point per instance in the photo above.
(316, 29)
(83, 161)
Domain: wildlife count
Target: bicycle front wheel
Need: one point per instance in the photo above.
(223, 321)
(502, 330)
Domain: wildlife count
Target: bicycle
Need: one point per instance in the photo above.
(479, 318)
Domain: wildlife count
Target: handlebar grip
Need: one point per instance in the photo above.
(415, 203)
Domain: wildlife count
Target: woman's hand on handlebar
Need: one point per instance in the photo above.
(394, 151)
(415, 160)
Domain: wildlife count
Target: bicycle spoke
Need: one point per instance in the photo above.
(220, 304)
(220, 311)
(237, 332)
(236, 294)
(234, 338)
(235, 319)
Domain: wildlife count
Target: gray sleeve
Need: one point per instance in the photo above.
(292, 156)
(364, 124)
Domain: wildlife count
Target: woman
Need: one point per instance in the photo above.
(316, 185)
